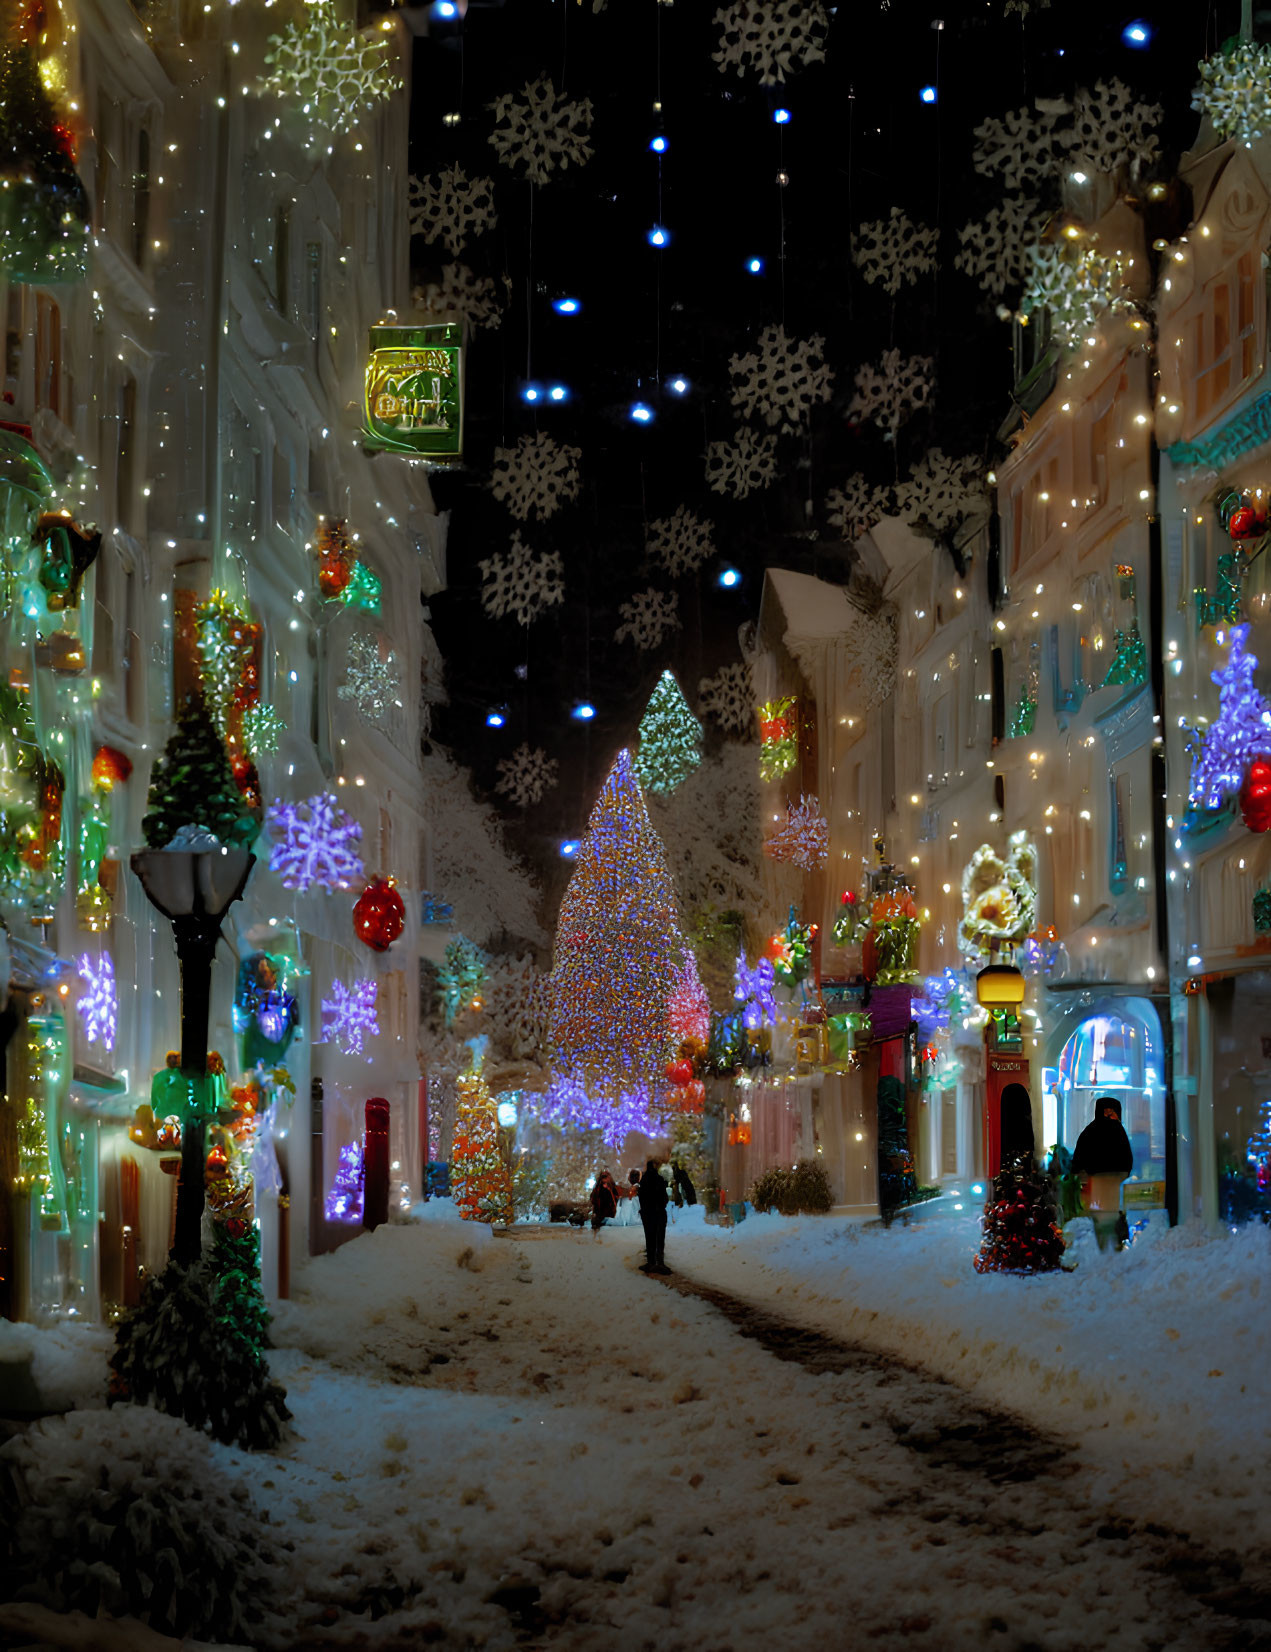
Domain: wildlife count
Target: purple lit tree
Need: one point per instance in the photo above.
(1241, 731)
(344, 1201)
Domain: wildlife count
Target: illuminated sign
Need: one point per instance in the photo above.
(414, 390)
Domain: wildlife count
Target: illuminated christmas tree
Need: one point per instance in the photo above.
(1020, 1231)
(618, 951)
(480, 1181)
(670, 739)
(43, 207)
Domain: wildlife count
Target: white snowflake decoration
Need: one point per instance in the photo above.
(534, 133)
(855, 507)
(263, 727)
(1235, 92)
(374, 685)
(1023, 148)
(522, 582)
(746, 465)
(99, 1007)
(461, 295)
(770, 38)
(892, 392)
(804, 840)
(728, 697)
(314, 842)
(1110, 129)
(781, 380)
(647, 618)
(893, 252)
(350, 1016)
(335, 73)
(1077, 286)
(681, 542)
(941, 491)
(995, 251)
(452, 208)
(528, 775)
(536, 477)
(1023, 7)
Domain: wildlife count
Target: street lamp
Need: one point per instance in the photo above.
(194, 888)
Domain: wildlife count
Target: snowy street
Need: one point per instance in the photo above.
(506, 1442)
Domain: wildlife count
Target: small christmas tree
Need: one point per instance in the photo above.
(670, 739)
(344, 1202)
(1020, 1231)
(192, 785)
(43, 207)
(479, 1176)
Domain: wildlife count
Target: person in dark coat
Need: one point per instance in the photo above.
(1017, 1129)
(1104, 1158)
(652, 1196)
(683, 1185)
(604, 1201)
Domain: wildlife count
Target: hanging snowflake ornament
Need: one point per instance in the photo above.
(1077, 286)
(727, 698)
(681, 542)
(891, 392)
(1110, 129)
(262, 729)
(536, 477)
(770, 38)
(459, 295)
(527, 776)
(746, 465)
(330, 70)
(804, 840)
(894, 252)
(536, 131)
(314, 842)
(1023, 148)
(1235, 92)
(855, 507)
(452, 208)
(372, 683)
(995, 251)
(781, 380)
(647, 618)
(941, 492)
(99, 1006)
(522, 582)
(350, 1016)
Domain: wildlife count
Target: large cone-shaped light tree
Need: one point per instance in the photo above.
(618, 952)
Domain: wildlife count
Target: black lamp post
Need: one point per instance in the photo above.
(194, 889)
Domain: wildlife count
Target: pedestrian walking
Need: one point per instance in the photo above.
(652, 1196)
(604, 1201)
(1104, 1158)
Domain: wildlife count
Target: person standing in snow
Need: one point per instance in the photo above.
(1103, 1156)
(652, 1196)
(604, 1201)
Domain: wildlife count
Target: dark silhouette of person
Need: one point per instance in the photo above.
(1017, 1144)
(604, 1201)
(652, 1196)
(1104, 1157)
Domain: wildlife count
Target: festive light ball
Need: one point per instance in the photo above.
(217, 1161)
(1255, 795)
(1245, 523)
(379, 915)
(334, 574)
(679, 1072)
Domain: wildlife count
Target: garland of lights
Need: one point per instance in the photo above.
(778, 738)
(791, 951)
(1235, 92)
(331, 71)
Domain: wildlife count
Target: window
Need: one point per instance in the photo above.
(48, 354)
(141, 200)
(282, 260)
(126, 463)
(1224, 338)
(103, 172)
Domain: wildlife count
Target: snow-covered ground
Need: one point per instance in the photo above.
(504, 1442)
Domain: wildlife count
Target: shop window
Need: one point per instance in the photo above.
(141, 199)
(1240, 1007)
(1118, 1051)
(48, 354)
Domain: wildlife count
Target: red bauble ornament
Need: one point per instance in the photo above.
(110, 766)
(334, 574)
(379, 915)
(679, 1072)
(1245, 523)
(1255, 795)
(216, 1161)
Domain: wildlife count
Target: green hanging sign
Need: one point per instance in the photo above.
(414, 390)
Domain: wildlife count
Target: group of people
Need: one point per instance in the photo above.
(651, 1191)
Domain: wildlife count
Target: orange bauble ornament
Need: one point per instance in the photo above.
(380, 915)
(1255, 795)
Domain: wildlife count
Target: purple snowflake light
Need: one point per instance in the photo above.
(753, 990)
(1241, 731)
(349, 1015)
(344, 1201)
(568, 1104)
(99, 1007)
(314, 842)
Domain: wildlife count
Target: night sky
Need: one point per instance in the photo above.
(859, 141)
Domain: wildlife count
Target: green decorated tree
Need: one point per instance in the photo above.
(43, 206)
(670, 739)
(192, 784)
